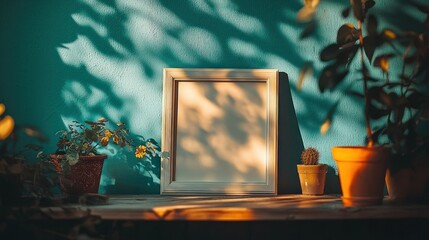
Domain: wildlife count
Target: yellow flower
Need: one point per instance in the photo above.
(116, 139)
(107, 133)
(389, 34)
(2, 108)
(104, 141)
(6, 127)
(325, 126)
(140, 151)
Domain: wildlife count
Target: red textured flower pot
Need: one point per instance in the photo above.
(84, 176)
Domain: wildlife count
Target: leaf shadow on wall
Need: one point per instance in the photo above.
(39, 87)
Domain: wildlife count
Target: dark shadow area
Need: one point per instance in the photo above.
(332, 185)
(290, 143)
(94, 228)
(31, 71)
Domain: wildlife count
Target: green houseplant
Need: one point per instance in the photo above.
(23, 177)
(361, 168)
(397, 104)
(403, 100)
(312, 175)
(77, 159)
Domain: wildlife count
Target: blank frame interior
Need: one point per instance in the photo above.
(220, 131)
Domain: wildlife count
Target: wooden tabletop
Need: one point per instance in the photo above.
(235, 208)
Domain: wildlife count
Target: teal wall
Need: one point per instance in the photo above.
(83, 59)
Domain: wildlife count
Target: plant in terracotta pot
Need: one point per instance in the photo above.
(361, 169)
(312, 175)
(396, 105)
(403, 101)
(77, 159)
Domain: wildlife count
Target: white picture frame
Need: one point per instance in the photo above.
(219, 132)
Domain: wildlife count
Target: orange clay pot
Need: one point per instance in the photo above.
(312, 178)
(409, 185)
(362, 171)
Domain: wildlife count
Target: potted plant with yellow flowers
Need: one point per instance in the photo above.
(77, 159)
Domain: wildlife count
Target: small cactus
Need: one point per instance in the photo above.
(310, 156)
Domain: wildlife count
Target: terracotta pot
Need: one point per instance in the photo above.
(362, 171)
(84, 177)
(312, 178)
(408, 184)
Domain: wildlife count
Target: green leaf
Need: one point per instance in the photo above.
(416, 100)
(347, 33)
(378, 94)
(369, 46)
(411, 59)
(376, 113)
(308, 30)
(358, 9)
(421, 7)
(355, 93)
(331, 76)
(346, 12)
(346, 54)
(33, 147)
(376, 134)
(304, 73)
(91, 135)
(399, 114)
(368, 4)
(372, 25)
(329, 53)
(35, 133)
(72, 158)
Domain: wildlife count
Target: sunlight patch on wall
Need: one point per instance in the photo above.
(228, 11)
(152, 10)
(83, 20)
(147, 35)
(99, 7)
(84, 97)
(243, 48)
(203, 6)
(203, 43)
(275, 61)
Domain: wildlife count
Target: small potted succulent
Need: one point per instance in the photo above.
(77, 159)
(312, 175)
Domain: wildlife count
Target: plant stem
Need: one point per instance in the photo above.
(365, 88)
